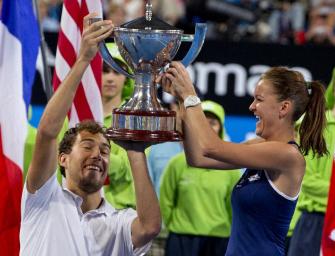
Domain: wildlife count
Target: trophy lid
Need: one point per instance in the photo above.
(154, 23)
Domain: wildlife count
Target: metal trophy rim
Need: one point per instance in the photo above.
(147, 31)
(184, 37)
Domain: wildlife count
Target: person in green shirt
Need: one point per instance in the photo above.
(116, 89)
(195, 203)
(306, 238)
(29, 144)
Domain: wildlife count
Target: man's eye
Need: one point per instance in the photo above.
(105, 151)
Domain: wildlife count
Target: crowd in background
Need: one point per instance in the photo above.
(280, 21)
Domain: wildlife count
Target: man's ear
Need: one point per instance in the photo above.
(62, 159)
(285, 108)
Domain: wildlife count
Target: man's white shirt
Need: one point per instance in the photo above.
(53, 224)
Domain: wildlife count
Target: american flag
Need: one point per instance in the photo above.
(19, 42)
(87, 103)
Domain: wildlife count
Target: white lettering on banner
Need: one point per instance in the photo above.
(244, 80)
(221, 77)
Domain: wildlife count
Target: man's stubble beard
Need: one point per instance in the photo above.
(90, 186)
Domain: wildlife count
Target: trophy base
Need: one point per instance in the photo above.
(138, 135)
(151, 126)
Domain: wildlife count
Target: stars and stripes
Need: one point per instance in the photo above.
(87, 103)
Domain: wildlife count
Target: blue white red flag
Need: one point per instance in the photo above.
(19, 42)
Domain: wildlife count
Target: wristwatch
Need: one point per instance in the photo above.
(191, 101)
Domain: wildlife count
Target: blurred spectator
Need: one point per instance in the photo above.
(116, 13)
(134, 8)
(55, 9)
(48, 23)
(287, 22)
(321, 24)
(171, 11)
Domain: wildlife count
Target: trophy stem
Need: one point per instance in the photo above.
(144, 97)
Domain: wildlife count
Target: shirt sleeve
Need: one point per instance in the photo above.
(33, 204)
(126, 218)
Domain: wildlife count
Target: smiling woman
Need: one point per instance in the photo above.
(265, 197)
(290, 88)
(263, 106)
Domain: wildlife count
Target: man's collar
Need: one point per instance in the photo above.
(104, 208)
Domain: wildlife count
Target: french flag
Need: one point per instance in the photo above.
(19, 43)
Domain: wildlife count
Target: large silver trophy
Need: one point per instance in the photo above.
(148, 45)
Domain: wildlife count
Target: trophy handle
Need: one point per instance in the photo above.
(107, 57)
(199, 38)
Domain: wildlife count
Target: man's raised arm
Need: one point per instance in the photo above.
(147, 225)
(44, 160)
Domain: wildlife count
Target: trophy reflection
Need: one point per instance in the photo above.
(148, 45)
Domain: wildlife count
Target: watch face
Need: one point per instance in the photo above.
(191, 101)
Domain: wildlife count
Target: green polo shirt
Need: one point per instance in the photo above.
(120, 192)
(196, 201)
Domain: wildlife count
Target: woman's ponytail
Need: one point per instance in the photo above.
(314, 121)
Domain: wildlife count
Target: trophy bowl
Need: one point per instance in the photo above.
(148, 45)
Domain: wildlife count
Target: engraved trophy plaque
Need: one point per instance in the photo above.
(148, 45)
